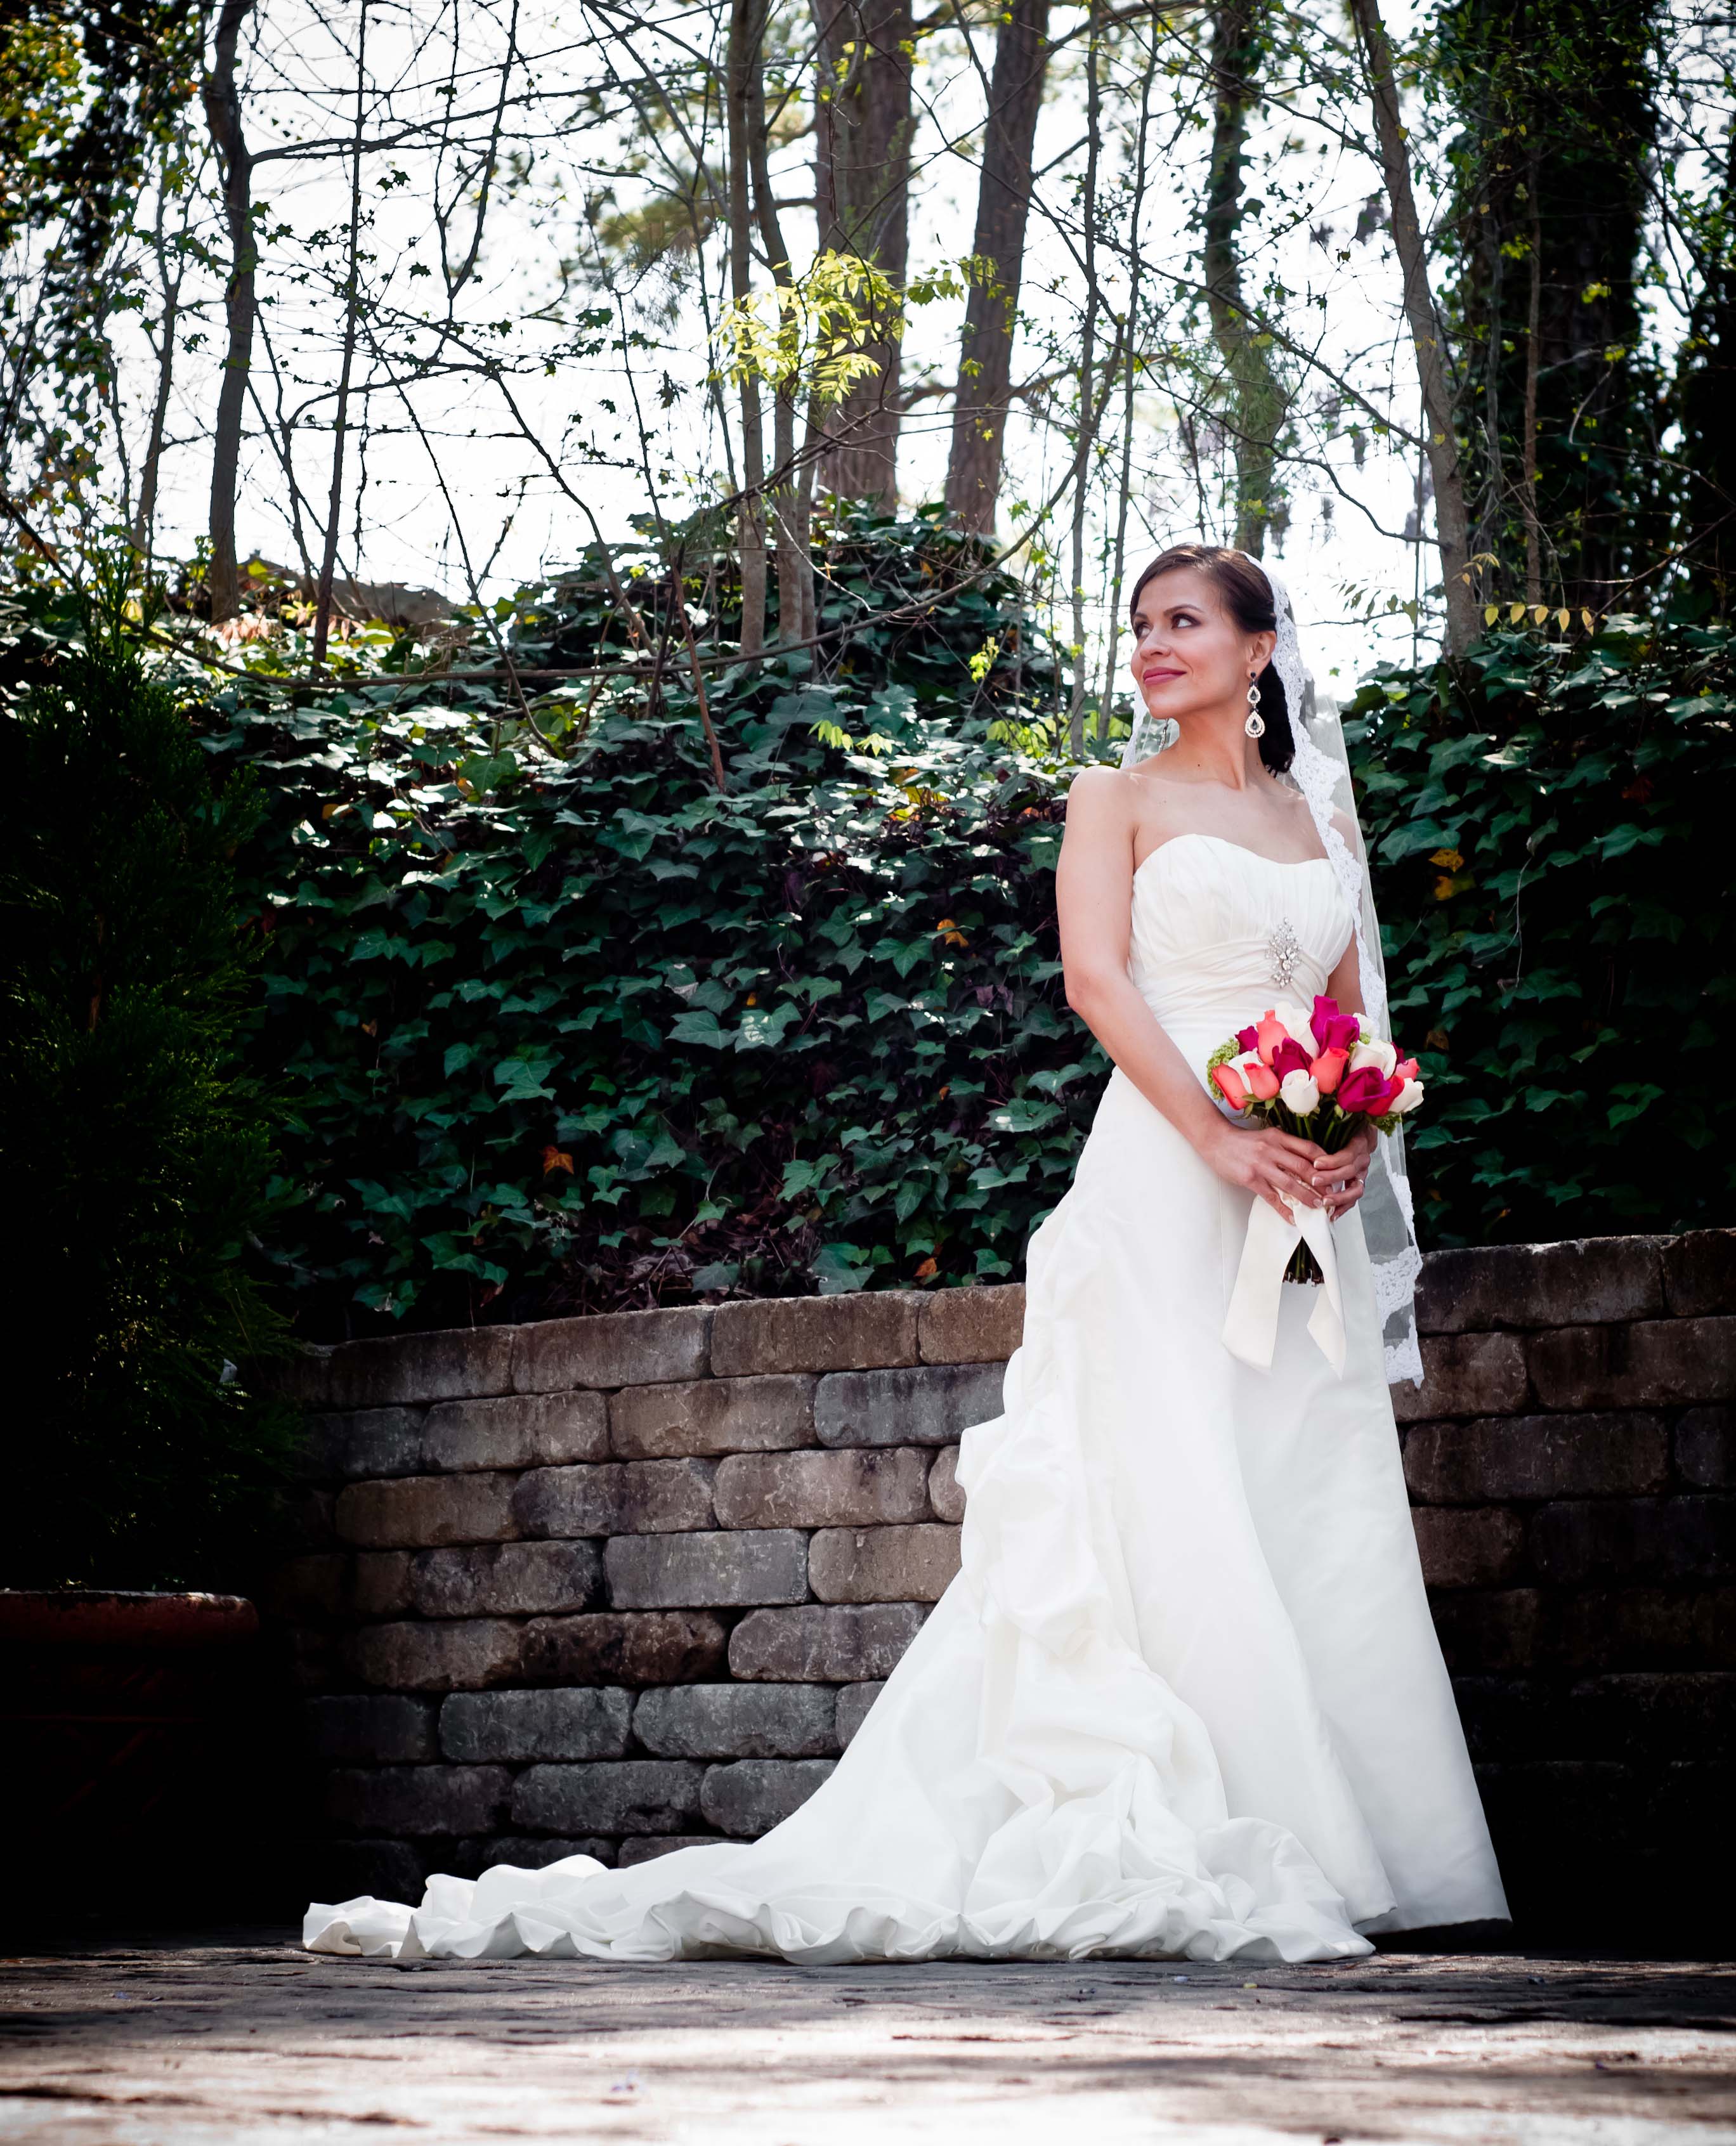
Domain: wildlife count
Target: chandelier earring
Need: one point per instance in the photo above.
(1255, 725)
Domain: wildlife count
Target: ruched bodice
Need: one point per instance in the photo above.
(1220, 932)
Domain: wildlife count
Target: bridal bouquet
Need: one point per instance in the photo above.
(1321, 1075)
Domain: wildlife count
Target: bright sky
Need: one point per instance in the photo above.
(468, 463)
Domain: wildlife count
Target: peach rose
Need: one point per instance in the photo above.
(1235, 1090)
(1327, 1069)
(1271, 1032)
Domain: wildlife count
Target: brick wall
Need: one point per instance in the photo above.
(619, 1583)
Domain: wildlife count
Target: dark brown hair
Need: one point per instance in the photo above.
(1247, 597)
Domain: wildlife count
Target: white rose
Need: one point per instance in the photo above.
(1407, 1098)
(1378, 1054)
(1297, 1021)
(1299, 1092)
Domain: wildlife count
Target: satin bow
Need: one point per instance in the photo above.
(1250, 1326)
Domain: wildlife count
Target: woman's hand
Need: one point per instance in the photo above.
(1276, 1166)
(1343, 1178)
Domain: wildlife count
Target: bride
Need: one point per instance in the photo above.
(1184, 1699)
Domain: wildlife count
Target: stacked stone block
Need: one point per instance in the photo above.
(609, 1585)
(1571, 1459)
(613, 1584)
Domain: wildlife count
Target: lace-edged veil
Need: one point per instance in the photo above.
(1321, 772)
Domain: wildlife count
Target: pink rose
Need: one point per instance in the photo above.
(1289, 1057)
(1405, 1070)
(1270, 1033)
(1328, 1069)
(1334, 1031)
(1366, 1089)
(1235, 1091)
(1263, 1080)
(1248, 1038)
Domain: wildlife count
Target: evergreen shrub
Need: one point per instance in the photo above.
(566, 1028)
(135, 1144)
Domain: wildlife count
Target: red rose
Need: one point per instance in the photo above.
(1334, 1031)
(1367, 1089)
(1289, 1057)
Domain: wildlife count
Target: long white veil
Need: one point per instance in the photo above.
(1321, 771)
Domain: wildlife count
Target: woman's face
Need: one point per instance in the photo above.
(1189, 654)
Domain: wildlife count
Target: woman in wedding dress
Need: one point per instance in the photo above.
(1184, 1699)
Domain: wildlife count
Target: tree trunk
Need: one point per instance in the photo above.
(352, 299)
(1256, 398)
(1129, 381)
(1551, 168)
(786, 498)
(1534, 328)
(1427, 333)
(223, 114)
(1088, 408)
(144, 518)
(862, 192)
(1705, 397)
(1003, 206)
(746, 31)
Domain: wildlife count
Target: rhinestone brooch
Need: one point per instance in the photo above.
(1286, 950)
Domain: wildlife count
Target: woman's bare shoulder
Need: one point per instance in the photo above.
(1298, 806)
(1098, 781)
(1101, 814)
(1099, 796)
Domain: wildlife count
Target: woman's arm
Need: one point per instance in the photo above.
(1094, 894)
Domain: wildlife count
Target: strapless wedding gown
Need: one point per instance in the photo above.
(1184, 1697)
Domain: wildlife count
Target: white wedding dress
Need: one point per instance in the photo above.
(1184, 1699)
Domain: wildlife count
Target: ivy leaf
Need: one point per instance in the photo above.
(1640, 1098)
(1024, 1114)
(801, 1176)
(630, 835)
(522, 1079)
(485, 772)
(1620, 840)
(701, 1026)
(842, 1269)
(762, 1028)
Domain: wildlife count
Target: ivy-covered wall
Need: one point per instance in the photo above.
(560, 1026)
(556, 1024)
(1550, 823)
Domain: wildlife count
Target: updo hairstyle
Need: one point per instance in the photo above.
(1246, 595)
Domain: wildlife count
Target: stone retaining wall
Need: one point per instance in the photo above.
(619, 1583)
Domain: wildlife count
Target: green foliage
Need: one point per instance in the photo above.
(91, 94)
(1549, 830)
(560, 1027)
(1558, 107)
(566, 1029)
(134, 1146)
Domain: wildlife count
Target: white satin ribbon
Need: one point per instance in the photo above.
(1250, 1326)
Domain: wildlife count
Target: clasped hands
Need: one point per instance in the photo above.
(1281, 1168)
